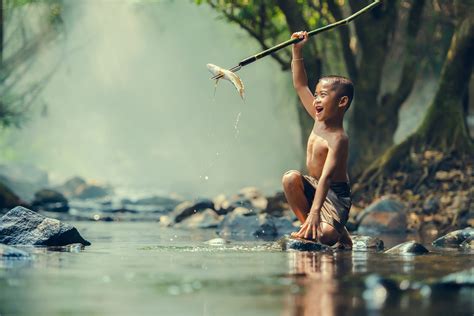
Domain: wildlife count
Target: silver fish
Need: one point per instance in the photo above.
(227, 75)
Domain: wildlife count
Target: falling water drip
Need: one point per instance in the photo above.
(236, 125)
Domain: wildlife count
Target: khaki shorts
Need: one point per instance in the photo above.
(336, 207)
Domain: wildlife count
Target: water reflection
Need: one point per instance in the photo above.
(315, 273)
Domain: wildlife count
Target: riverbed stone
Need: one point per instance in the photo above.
(287, 243)
(454, 239)
(50, 200)
(407, 248)
(21, 226)
(284, 225)
(188, 208)
(11, 252)
(8, 199)
(217, 242)
(468, 244)
(205, 219)
(364, 243)
(260, 225)
(277, 204)
(383, 216)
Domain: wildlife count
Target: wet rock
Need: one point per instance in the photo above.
(276, 204)
(23, 179)
(284, 226)
(457, 279)
(383, 216)
(255, 196)
(454, 238)
(166, 221)
(204, 219)
(250, 198)
(10, 252)
(287, 243)
(468, 244)
(92, 191)
(186, 209)
(8, 199)
(25, 227)
(409, 247)
(217, 242)
(78, 188)
(50, 200)
(363, 243)
(72, 186)
(260, 225)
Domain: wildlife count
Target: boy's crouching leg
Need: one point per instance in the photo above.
(293, 188)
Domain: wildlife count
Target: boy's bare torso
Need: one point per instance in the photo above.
(319, 142)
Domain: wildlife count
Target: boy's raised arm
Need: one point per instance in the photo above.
(300, 80)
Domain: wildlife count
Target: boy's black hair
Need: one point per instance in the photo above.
(343, 87)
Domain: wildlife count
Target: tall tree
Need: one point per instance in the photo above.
(443, 130)
(17, 55)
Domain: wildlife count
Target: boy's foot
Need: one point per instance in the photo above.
(296, 235)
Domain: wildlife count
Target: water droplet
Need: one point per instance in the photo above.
(206, 178)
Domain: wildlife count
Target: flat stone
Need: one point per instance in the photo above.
(409, 247)
(455, 238)
(364, 243)
(287, 243)
(21, 226)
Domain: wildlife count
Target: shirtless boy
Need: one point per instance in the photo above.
(321, 199)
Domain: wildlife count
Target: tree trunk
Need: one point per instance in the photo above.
(443, 128)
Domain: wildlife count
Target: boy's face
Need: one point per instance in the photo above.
(326, 102)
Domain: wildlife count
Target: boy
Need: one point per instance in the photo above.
(321, 200)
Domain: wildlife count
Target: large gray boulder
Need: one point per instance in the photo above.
(383, 216)
(21, 226)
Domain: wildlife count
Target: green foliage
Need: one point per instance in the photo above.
(16, 101)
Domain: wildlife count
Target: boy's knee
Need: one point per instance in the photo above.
(291, 178)
(328, 235)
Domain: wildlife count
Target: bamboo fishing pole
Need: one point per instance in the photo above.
(273, 49)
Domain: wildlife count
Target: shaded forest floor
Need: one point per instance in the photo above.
(436, 188)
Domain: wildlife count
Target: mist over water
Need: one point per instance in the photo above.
(131, 103)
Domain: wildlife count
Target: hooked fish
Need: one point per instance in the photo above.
(227, 75)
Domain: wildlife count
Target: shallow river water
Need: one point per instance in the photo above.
(143, 269)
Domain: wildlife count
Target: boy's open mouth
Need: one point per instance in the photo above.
(319, 109)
